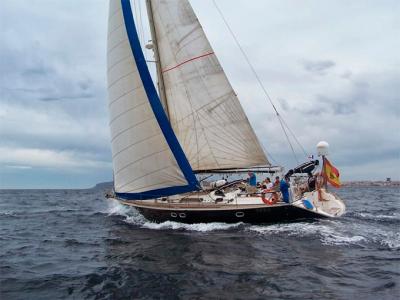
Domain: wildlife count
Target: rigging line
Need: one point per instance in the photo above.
(141, 29)
(254, 73)
(136, 14)
(269, 154)
(295, 138)
(287, 137)
(245, 56)
(201, 180)
(137, 22)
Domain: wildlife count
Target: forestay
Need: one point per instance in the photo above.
(142, 138)
(204, 111)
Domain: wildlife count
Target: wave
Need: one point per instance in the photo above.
(132, 216)
(116, 208)
(334, 233)
(378, 217)
(386, 238)
(200, 227)
(8, 213)
(326, 231)
(33, 212)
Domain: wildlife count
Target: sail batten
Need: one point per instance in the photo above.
(148, 161)
(204, 111)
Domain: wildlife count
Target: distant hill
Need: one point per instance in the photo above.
(104, 185)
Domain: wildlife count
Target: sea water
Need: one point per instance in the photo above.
(75, 244)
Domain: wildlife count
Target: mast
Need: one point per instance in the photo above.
(160, 83)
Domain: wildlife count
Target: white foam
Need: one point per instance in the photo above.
(379, 217)
(388, 238)
(343, 239)
(8, 213)
(116, 208)
(328, 232)
(132, 216)
(200, 227)
(391, 244)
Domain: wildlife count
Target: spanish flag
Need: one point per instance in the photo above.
(330, 173)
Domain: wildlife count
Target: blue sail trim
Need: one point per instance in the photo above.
(156, 193)
(160, 115)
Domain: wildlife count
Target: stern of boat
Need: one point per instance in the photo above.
(322, 202)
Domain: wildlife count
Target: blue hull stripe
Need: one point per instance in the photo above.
(160, 115)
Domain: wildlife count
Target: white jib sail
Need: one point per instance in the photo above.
(204, 111)
(142, 159)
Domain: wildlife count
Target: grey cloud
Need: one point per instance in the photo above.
(346, 75)
(343, 109)
(28, 90)
(345, 104)
(37, 70)
(52, 81)
(337, 106)
(318, 66)
(354, 156)
(284, 104)
(51, 98)
(327, 105)
(85, 84)
(60, 98)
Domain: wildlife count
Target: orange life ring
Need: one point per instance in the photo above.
(269, 200)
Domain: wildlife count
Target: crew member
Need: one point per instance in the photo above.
(268, 183)
(276, 183)
(284, 187)
(311, 182)
(252, 179)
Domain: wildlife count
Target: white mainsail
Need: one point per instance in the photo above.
(142, 157)
(204, 110)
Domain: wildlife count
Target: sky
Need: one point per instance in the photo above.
(332, 68)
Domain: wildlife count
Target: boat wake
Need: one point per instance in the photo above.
(200, 227)
(328, 232)
(378, 216)
(335, 233)
(133, 217)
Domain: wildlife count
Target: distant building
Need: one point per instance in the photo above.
(388, 179)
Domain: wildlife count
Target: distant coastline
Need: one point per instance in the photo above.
(366, 183)
(104, 185)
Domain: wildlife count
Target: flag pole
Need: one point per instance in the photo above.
(324, 173)
(322, 149)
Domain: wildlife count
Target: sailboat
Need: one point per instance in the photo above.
(168, 143)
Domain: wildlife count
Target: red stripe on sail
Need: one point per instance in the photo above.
(186, 61)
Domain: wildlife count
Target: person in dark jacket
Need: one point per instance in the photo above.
(311, 182)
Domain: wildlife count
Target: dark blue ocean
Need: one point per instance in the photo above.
(75, 244)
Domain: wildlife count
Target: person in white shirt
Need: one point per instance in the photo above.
(268, 183)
